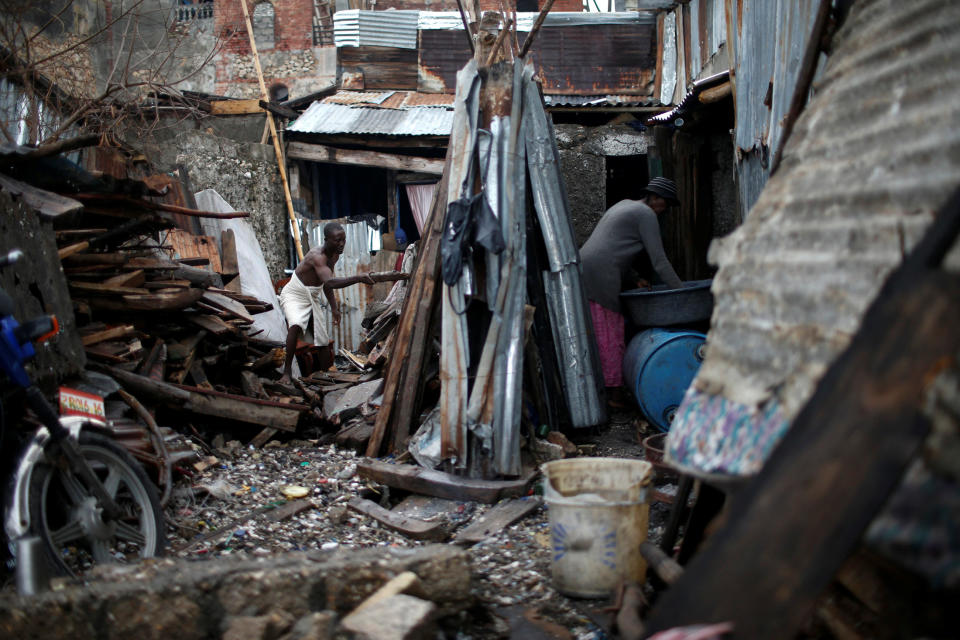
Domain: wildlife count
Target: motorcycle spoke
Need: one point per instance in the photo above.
(73, 488)
(101, 552)
(70, 531)
(130, 533)
(112, 482)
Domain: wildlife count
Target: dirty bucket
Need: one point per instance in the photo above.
(598, 518)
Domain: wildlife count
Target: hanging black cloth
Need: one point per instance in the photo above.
(468, 220)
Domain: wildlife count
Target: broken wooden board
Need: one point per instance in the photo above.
(496, 519)
(187, 245)
(442, 485)
(212, 403)
(163, 301)
(104, 289)
(49, 205)
(112, 333)
(410, 527)
(290, 509)
(231, 306)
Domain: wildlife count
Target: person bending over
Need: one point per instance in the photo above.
(625, 231)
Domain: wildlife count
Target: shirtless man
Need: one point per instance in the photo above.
(301, 299)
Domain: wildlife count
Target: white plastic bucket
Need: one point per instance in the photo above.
(598, 518)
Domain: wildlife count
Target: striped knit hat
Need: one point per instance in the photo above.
(663, 187)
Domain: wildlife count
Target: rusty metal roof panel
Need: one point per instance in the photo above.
(874, 155)
(574, 54)
(333, 119)
(355, 28)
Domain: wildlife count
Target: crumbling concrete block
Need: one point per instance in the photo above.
(313, 626)
(268, 627)
(167, 598)
(399, 617)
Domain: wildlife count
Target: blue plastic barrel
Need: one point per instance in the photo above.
(658, 366)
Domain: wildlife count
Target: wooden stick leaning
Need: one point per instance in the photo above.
(273, 133)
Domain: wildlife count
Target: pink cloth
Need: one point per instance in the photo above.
(608, 328)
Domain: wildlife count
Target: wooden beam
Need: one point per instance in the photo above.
(497, 519)
(107, 334)
(410, 477)
(279, 110)
(322, 153)
(410, 527)
(235, 107)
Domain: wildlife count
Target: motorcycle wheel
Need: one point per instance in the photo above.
(70, 522)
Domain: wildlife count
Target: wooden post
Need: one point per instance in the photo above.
(273, 133)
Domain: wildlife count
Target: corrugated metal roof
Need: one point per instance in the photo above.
(332, 119)
(604, 58)
(873, 156)
(451, 20)
(763, 60)
(356, 28)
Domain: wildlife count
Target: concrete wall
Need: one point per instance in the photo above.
(38, 286)
(246, 175)
(583, 152)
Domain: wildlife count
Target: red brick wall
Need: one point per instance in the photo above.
(293, 25)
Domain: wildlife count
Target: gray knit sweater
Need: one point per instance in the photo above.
(626, 229)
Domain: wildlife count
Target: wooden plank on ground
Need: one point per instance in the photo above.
(442, 485)
(496, 519)
(789, 530)
(410, 527)
(323, 153)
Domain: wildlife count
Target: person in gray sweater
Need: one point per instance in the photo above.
(625, 231)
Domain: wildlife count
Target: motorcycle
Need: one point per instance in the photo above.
(75, 498)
